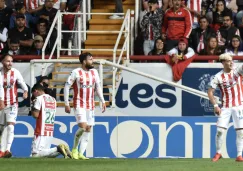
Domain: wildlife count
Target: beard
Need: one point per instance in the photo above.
(89, 66)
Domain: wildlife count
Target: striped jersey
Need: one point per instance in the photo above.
(84, 83)
(10, 81)
(230, 85)
(47, 111)
(33, 4)
(194, 5)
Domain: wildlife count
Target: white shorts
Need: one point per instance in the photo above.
(9, 114)
(40, 143)
(83, 115)
(237, 116)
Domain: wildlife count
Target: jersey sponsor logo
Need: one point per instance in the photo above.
(86, 86)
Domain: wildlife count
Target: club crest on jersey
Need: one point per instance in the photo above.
(11, 80)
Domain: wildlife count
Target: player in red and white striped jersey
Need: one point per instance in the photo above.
(229, 81)
(33, 6)
(85, 81)
(44, 110)
(11, 78)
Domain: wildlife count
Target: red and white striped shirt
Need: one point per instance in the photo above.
(45, 121)
(10, 81)
(230, 85)
(194, 5)
(33, 4)
(84, 83)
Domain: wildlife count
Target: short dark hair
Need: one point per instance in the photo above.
(19, 6)
(37, 86)
(203, 17)
(227, 14)
(14, 41)
(4, 56)
(42, 20)
(84, 56)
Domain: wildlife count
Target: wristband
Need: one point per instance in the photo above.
(216, 105)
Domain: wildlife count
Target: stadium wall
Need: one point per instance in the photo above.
(147, 121)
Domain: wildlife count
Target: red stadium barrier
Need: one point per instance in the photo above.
(162, 58)
(27, 58)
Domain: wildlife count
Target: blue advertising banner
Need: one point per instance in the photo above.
(134, 137)
(197, 78)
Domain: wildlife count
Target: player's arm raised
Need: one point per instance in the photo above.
(99, 91)
(68, 85)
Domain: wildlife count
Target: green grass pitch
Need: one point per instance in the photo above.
(26, 164)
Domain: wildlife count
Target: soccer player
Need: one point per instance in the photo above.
(44, 110)
(11, 77)
(84, 80)
(229, 81)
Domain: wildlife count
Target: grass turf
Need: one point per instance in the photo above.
(26, 164)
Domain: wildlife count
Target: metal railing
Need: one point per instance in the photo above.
(104, 62)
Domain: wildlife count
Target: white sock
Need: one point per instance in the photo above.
(3, 140)
(84, 142)
(10, 136)
(239, 142)
(51, 153)
(77, 136)
(1, 133)
(219, 139)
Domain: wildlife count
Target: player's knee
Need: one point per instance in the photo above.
(88, 128)
(239, 133)
(220, 131)
(1, 129)
(10, 128)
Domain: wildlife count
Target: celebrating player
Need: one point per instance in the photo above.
(11, 77)
(44, 110)
(84, 80)
(229, 81)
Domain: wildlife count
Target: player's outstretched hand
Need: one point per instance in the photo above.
(217, 110)
(67, 109)
(103, 107)
(2, 106)
(25, 95)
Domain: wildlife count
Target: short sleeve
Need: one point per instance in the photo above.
(37, 103)
(214, 82)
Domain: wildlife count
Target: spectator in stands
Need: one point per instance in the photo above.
(21, 32)
(151, 26)
(60, 4)
(3, 37)
(179, 58)
(227, 31)
(199, 36)
(118, 9)
(5, 13)
(33, 6)
(20, 9)
(158, 47)
(236, 46)
(48, 12)
(212, 47)
(239, 15)
(38, 45)
(208, 7)
(177, 23)
(14, 48)
(218, 14)
(42, 30)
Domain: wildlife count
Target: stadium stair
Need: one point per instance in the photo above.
(61, 72)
